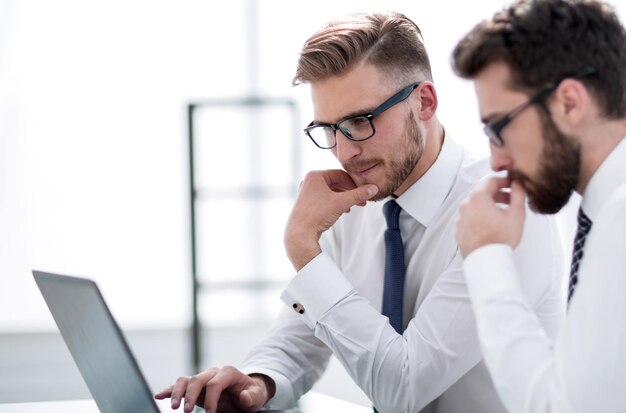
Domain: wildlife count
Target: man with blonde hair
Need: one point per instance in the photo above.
(380, 288)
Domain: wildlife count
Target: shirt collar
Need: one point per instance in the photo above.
(610, 174)
(424, 198)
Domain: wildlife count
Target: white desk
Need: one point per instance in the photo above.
(310, 403)
(73, 406)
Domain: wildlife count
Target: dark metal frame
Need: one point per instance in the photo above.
(398, 97)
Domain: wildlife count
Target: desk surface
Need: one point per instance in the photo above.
(309, 403)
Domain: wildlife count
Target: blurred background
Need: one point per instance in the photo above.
(96, 103)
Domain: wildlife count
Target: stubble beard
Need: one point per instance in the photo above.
(399, 168)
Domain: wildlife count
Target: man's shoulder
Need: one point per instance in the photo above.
(618, 198)
(474, 168)
(473, 171)
(614, 210)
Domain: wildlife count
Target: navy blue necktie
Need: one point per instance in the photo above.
(394, 266)
(584, 225)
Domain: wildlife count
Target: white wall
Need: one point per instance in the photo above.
(92, 133)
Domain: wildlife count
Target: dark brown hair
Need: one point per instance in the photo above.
(390, 41)
(543, 41)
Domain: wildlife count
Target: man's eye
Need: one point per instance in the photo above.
(357, 122)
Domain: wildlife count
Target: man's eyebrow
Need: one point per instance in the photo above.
(491, 117)
(349, 115)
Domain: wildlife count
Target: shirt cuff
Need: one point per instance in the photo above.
(490, 272)
(316, 289)
(284, 397)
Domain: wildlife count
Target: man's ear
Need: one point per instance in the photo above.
(570, 104)
(427, 96)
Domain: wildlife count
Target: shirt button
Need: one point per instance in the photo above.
(298, 308)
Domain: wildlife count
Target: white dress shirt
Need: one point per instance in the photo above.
(436, 364)
(584, 369)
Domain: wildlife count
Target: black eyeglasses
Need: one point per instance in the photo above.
(494, 129)
(355, 127)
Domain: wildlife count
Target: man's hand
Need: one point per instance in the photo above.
(324, 196)
(226, 389)
(481, 221)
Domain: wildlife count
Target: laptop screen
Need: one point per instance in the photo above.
(96, 344)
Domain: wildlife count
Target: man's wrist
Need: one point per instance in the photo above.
(301, 251)
(468, 249)
(301, 259)
(267, 382)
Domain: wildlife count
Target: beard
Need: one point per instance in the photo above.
(559, 169)
(408, 153)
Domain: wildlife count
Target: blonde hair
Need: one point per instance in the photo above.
(389, 41)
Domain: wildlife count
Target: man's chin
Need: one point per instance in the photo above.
(546, 205)
(379, 197)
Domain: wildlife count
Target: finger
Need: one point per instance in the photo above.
(247, 398)
(256, 394)
(165, 393)
(339, 180)
(495, 184)
(195, 387)
(502, 197)
(225, 378)
(178, 391)
(518, 199)
(358, 196)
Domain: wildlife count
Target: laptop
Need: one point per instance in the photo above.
(97, 344)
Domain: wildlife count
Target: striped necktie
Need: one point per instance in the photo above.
(584, 225)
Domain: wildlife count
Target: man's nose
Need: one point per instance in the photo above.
(500, 158)
(346, 149)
